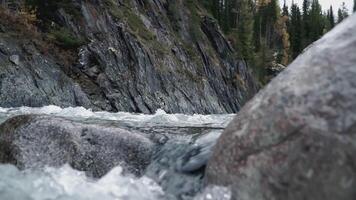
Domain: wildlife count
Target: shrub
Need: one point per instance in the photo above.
(195, 20)
(22, 22)
(125, 13)
(45, 9)
(66, 39)
(173, 14)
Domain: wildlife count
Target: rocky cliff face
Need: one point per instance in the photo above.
(136, 56)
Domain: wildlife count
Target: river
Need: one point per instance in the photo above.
(176, 169)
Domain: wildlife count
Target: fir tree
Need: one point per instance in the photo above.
(340, 16)
(285, 9)
(305, 23)
(342, 13)
(259, 29)
(306, 7)
(295, 30)
(316, 21)
(331, 18)
(245, 28)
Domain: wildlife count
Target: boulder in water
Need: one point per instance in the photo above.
(31, 141)
(297, 138)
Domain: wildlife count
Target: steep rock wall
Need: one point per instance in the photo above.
(139, 56)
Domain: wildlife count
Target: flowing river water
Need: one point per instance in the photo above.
(176, 170)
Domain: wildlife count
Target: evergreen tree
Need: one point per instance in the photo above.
(316, 21)
(285, 9)
(342, 13)
(305, 23)
(306, 7)
(259, 29)
(268, 13)
(245, 28)
(257, 32)
(331, 18)
(295, 30)
(340, 16)
(273, 10)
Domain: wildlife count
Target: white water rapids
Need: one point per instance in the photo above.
(159, 118)
(66, 183)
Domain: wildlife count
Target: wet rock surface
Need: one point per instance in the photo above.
(31, 141)
(296, 138)
(178, 165)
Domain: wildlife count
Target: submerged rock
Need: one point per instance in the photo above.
(296, 139)
(31, 141)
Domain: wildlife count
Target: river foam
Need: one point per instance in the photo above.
(160, 118)
(66, 183)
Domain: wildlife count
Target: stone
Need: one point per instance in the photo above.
(15, 59)
(36, 81)
(213, 192)
(31, 141)
(296, 138)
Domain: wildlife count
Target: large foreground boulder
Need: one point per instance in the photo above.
(31, 141)
(297, 138)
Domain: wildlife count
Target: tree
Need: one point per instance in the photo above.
(331, 18)
(245, 28)
(267, 14)
(354, 6)
(306, 7)
(46, 10)
(295, 31)
(340, 16)
(316, 21)
(285, 9)
(265, 34)
(305, 28)
(342, 13)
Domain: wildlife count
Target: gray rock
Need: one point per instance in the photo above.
(213, 192)
(32, 141)
(37, 81)
(296, 139)
(15, 59)
(121, 69)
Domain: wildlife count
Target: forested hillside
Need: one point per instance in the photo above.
(268, 34)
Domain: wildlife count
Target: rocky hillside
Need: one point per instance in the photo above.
(119, 55)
